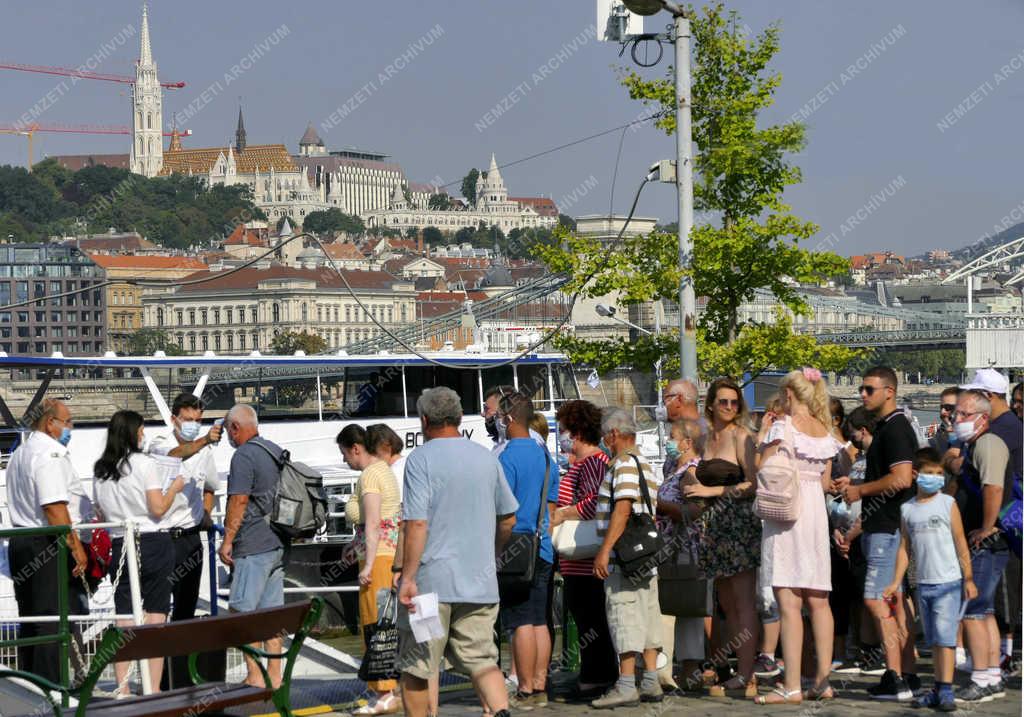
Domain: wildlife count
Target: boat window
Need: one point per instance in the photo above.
(533, 381)
(565, 383)
(373, 391)
(501, 376)
(462, 381)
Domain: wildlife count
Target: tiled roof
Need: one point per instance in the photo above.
(325, 278)
(255, 157)
(343, 250)
(129, 242)
(74, 162)
(141, 261)
(542, 205)
(241, 235)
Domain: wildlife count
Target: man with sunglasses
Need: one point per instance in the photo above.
(888, 478)
(944, 437)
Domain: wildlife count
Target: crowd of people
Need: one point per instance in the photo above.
(795, 544)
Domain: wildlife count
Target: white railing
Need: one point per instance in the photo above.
(995, 321)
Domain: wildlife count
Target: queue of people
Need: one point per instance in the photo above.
(815, 541)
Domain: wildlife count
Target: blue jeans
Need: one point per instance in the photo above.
(987, 566)
(880, 552)
(258, 581)
(940, 607)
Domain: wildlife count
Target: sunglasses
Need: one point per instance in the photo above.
(948, 407)
(870, 390)
(729, 402)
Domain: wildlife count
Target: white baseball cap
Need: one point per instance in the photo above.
(990, 380)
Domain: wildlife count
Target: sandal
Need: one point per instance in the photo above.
(786, 698)
(387, 705)
(823, 691)
(736, 686)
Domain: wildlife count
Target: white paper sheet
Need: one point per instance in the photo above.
(170, 468)
(425, 622)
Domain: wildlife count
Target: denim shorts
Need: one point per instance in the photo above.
(941, 608)
(880, 552)
(258, 581)
(528, 606)
(987, 566)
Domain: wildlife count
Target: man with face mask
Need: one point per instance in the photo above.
(985, 482)
(41, 490)
(495, 428)
(189, 511)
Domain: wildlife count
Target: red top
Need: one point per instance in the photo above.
(579, 487)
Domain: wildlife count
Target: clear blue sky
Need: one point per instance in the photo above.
(878, 127)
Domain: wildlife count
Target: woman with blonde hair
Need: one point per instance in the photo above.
(795, 555)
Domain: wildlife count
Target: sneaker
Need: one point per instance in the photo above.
(511, 684)
(872, 664)
(617, 697)
(765, 666)
(891, 688)
(521, 701)
(926, 699)
(973, 693)
(913, 682)
(947, 702)
(998, 690)
(653, 693)
(848, 665)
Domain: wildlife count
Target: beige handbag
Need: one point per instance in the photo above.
(576, 539)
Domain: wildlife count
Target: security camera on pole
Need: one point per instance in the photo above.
(620, 18)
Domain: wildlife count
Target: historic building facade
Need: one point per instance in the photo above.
(146, 157)
(242, 312)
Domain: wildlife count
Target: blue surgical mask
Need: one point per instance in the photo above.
(672, 449)
(930, 483)
(189, 430)
(65, 436)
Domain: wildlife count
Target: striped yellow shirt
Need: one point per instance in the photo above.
(622, 475)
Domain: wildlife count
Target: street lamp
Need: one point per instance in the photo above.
(684, 177)
(609, 312)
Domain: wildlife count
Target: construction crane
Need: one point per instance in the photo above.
(29, 131)
(81, 74)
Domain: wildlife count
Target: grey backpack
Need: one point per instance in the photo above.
(300, 505)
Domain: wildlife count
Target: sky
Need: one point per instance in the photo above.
(913, 108)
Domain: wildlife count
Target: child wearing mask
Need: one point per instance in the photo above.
(930, 523)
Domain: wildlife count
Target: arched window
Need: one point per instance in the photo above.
(206, 342)
(305, 312)
(159, 317)
(149, 120)
(276, 313)
(140, 145)
(149, 144)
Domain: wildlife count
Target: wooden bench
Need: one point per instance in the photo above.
(190, 637)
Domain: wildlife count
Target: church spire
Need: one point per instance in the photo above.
(146, 52)
(240, 133)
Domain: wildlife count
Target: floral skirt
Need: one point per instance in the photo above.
(730, 538)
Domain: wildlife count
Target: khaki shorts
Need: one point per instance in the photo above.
(468, 647)
(634, 615)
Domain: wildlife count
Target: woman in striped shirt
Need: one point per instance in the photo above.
(579, 433)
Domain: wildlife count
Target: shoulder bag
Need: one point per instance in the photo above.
(641, 546)
(518, 560)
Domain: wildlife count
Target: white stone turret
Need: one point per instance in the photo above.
(147, 154)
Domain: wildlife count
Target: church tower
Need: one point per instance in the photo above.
(240, 133)
(147, 155)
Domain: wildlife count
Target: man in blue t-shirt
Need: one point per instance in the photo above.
(527, 467)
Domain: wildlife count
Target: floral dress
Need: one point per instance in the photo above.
(730, 533)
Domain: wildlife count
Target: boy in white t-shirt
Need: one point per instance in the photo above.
(930, 522)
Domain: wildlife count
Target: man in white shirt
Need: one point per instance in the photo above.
(190, 510)
(41, 483)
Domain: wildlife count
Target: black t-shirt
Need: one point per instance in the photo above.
(893, 442)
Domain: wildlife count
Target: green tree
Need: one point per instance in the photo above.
(412, 233)
(564, 220)
(146, 342)
(432, 236)
(751, 241)
(289, 342)
(439, 202)
(469, 185)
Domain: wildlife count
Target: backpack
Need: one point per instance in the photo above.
(299, 509)
(778, 483)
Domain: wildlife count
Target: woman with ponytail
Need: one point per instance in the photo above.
(795, 555)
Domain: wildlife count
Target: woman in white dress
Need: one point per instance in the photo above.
(128, 484)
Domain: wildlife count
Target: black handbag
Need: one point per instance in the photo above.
(641, 546)
(518, 560)
(381, 640)
(682, 590)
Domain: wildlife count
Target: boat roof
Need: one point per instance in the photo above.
(256, 360)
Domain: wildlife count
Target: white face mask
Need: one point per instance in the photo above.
(965, 430)
(189, 430)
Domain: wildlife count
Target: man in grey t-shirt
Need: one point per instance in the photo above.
(455, 498)
(250, 546)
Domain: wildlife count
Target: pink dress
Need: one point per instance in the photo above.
(796, 555)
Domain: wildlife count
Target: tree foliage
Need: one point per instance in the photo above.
(333, 220)
(432, 236)
(750, 239)
(439, 202)
(175, 211)
(469, 185)
(289, 342)
(146, 342)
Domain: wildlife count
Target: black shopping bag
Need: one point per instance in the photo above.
(381, 644)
